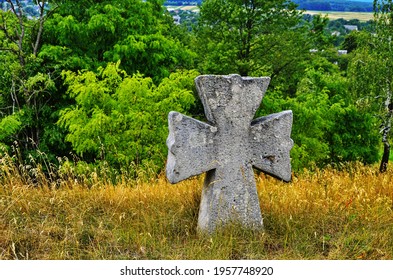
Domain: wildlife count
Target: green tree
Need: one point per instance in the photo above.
(88, 34)
(372, 75)
(327, 127)
(123, 119)
(75, 35)
(321, 39)
(26, 88)
(252, 38)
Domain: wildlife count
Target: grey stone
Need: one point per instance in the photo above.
(228, 148)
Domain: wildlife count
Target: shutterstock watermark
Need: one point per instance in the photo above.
(176, 271)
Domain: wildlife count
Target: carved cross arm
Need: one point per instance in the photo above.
(270, 140)
(190, 147)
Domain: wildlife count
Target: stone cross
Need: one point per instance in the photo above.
(228, 147)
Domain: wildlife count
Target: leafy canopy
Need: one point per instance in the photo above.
(88, 34)
(122, 118)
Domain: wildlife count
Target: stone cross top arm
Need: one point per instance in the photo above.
(228, 147)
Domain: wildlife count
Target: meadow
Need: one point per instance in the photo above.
(325, 214)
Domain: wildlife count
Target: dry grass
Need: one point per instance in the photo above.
(322, 215)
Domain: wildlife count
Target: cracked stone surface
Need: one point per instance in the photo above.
(228, 147)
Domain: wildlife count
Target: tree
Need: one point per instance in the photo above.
(319, 35)
(372, 75)
(252, 38)
(26, 87)
(328, 128)
(74, 35)
(89, 34)
(122, 119)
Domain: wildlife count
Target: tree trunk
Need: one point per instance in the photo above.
(385, 135)
(41, 21)
(385, 157)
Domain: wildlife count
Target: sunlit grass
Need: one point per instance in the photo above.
(327, 214)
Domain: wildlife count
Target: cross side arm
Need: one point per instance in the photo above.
(270, 139)
(190, 147)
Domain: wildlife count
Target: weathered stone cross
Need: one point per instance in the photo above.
(228, 147)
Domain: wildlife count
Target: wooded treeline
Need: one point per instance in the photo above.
(94, 80)
(336, 5)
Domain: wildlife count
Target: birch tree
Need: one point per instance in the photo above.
(371, 73)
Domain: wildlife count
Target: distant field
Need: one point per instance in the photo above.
(332, 15)
(345, 15)
(183, 8)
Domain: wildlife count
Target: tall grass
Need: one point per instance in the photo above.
(327, 214)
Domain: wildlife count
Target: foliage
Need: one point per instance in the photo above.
(27, 87)
(327, 128)
(62, 93)
(87, 35)
(234, 36)
(260, 38)
(121, 118)
(372, 76)
(9, 125)
(321, 39)
(74, 35)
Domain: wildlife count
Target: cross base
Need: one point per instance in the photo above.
(222, 204)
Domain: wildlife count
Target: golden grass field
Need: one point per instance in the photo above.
(327, 214)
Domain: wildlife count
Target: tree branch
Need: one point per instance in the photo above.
(40, 28)
(19, 14)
